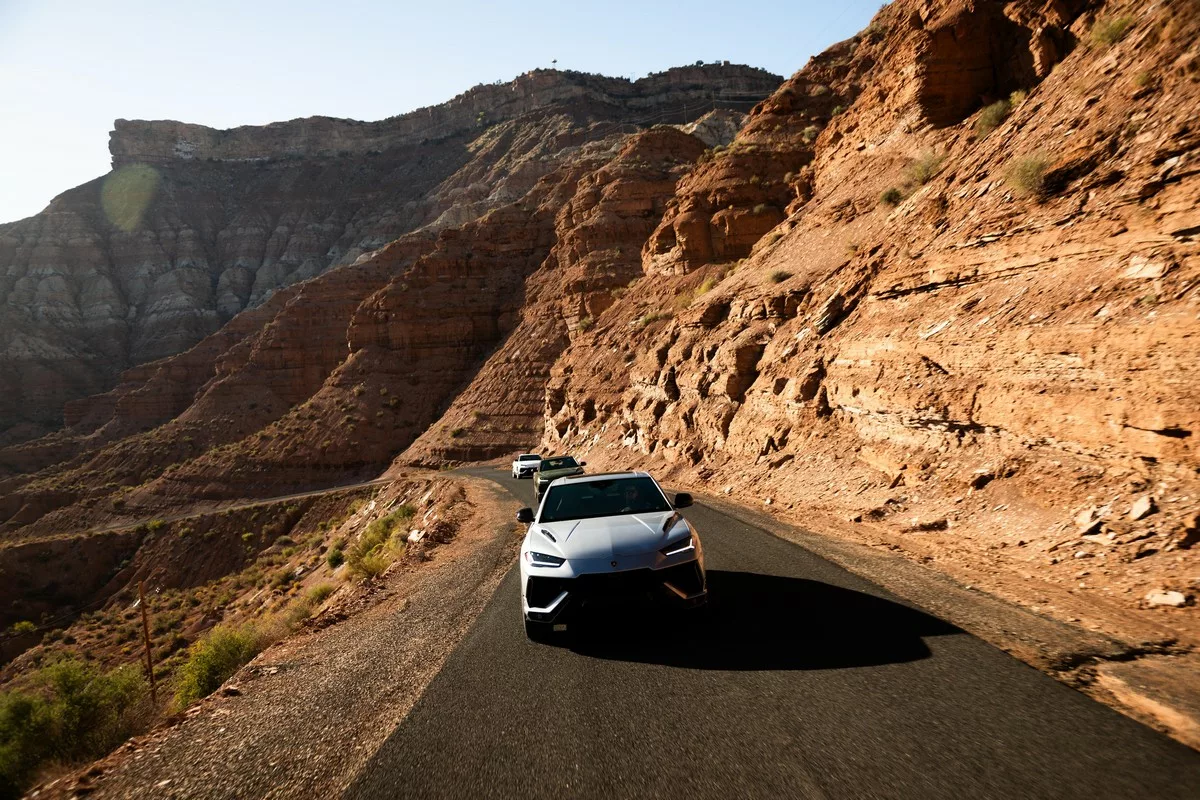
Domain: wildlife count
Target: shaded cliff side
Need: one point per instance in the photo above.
(195, 225)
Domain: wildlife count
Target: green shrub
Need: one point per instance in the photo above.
(1016, 98)
(156, 525)
(891, 197)
(213, 659)
(335, 558)
(22, 628)
(654, 316)
(1107, 31)
(780, 275)
(457, 432)
(837, 110)
(991, 117)
(586, 323)
(369, 556)
(320, 593)
(1027, 175)
(71, 713)
(809, 135)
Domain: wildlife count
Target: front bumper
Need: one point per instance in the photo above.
(525, 472)
(548, 598)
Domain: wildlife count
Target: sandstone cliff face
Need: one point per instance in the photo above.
(980, 340)
(598, 233)
(194, 225)
(958, 329)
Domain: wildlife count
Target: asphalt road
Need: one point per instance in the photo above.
(803, 681)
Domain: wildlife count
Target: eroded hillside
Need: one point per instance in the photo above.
(935, 293)
(195, 225)
(974, 332)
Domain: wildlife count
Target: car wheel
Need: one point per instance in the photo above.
(539, 631)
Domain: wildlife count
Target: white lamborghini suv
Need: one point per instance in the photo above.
(606, 536)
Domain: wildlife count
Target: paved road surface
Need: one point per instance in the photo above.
(805, 681)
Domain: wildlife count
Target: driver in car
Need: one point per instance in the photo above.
(633, 498)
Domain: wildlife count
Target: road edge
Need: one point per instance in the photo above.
(1140, 679)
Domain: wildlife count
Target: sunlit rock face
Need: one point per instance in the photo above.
(195, 225)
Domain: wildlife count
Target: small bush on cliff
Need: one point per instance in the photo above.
(369, 556)
(586, 323)
(809, 135)
(655, 316)
(335, 558)
(1109, 30)
(320, 593)
(213, 659)
(1027, 175)
(923, 169)
(991, 117)
(780, 275)
(875, 32)
(70, 713)
(22, 628)
(891, 197)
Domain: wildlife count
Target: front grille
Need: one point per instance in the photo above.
(617, 583)
(687, 578)
(540, 592)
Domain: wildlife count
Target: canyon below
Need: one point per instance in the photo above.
(935, 296)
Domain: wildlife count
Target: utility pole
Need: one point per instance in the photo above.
(146, 637)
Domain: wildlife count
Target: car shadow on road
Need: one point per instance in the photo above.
(761, 622)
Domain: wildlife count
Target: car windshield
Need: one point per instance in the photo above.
(562, 462)
(603, 498)
(530, 458)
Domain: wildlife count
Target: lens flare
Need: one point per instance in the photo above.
(127, 194)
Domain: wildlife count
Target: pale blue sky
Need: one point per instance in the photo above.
(68, 69)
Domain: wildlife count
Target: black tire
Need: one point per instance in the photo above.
(539, 631)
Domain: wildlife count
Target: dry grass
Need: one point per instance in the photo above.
(991, 117)
(1026, 175)
(1107, 31)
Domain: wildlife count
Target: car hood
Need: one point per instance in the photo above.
(551, 474)
(605, 537)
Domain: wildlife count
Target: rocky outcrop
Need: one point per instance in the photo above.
(598, 234)
(195, 225)
(742, 188)
(965, 336)
(678, 95)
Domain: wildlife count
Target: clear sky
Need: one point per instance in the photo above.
(68, 69)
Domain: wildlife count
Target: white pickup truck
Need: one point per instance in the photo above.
(525, 465)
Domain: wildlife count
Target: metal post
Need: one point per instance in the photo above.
(146, 637)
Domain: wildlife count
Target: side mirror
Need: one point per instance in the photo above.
(525, 515)
(683, 500)
(583, 463)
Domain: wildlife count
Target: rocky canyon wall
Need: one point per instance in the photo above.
(195, 225)
(969, 329)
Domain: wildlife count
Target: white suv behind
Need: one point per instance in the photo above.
(525, 465)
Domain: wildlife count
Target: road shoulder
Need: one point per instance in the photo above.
(1140, 671)
(303, 717)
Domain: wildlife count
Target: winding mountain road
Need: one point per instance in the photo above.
(804, 681)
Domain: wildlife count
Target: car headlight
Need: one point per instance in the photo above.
(678, 546)
(543, 560)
